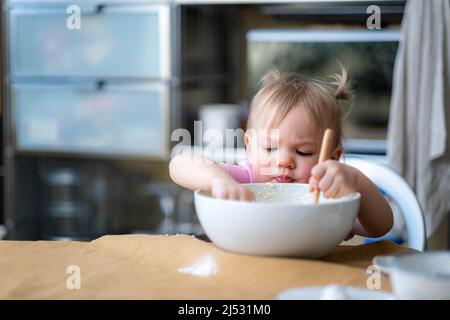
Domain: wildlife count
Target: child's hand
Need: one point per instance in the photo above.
(230, 189)
(334, 179)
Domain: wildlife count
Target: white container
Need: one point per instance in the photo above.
(284, 226)
(333, 292)
(418, 276)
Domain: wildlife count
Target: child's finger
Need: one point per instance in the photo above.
(234, 194)
(333, 191)
(313, 184)
(326, 182)
(220, 193)
(318, 171)
(247, 195)
(250, 196)
(344, 191)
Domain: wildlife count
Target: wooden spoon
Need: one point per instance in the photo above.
(325, 151)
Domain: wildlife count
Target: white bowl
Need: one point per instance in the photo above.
(280, 225)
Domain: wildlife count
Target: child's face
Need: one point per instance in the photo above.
(288, 157)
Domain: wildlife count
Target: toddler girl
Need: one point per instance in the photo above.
(287, 119)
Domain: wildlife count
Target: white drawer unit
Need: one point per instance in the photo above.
(114, 40)
(114, 120)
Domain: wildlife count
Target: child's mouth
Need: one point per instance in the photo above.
(284, 179)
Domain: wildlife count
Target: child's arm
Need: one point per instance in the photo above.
(195, 172)
(336, 180)
(375, 215)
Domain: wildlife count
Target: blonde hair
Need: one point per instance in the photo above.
(281, 92)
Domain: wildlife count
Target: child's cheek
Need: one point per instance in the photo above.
(306, 170)
(261, 168)
(305, 174)
(261, 173)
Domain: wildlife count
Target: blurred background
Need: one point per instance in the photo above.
(87, 114)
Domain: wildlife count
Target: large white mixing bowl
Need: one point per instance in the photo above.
(283, 222)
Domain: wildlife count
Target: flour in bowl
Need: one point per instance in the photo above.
(274, 193)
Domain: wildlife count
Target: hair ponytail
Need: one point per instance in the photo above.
(342, 91)
(271, 76)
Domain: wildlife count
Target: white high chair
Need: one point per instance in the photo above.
(399, 191)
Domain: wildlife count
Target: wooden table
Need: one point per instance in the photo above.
(170, 267)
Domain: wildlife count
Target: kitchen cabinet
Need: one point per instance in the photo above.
(109, 43)
(114, 119)
(92, 101)
(103, 89)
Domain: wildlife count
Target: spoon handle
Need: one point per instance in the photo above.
(325, 150)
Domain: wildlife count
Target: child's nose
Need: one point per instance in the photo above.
(286, 160)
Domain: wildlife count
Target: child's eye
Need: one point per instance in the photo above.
(304, 154)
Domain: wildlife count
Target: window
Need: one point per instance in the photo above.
(368, 56)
